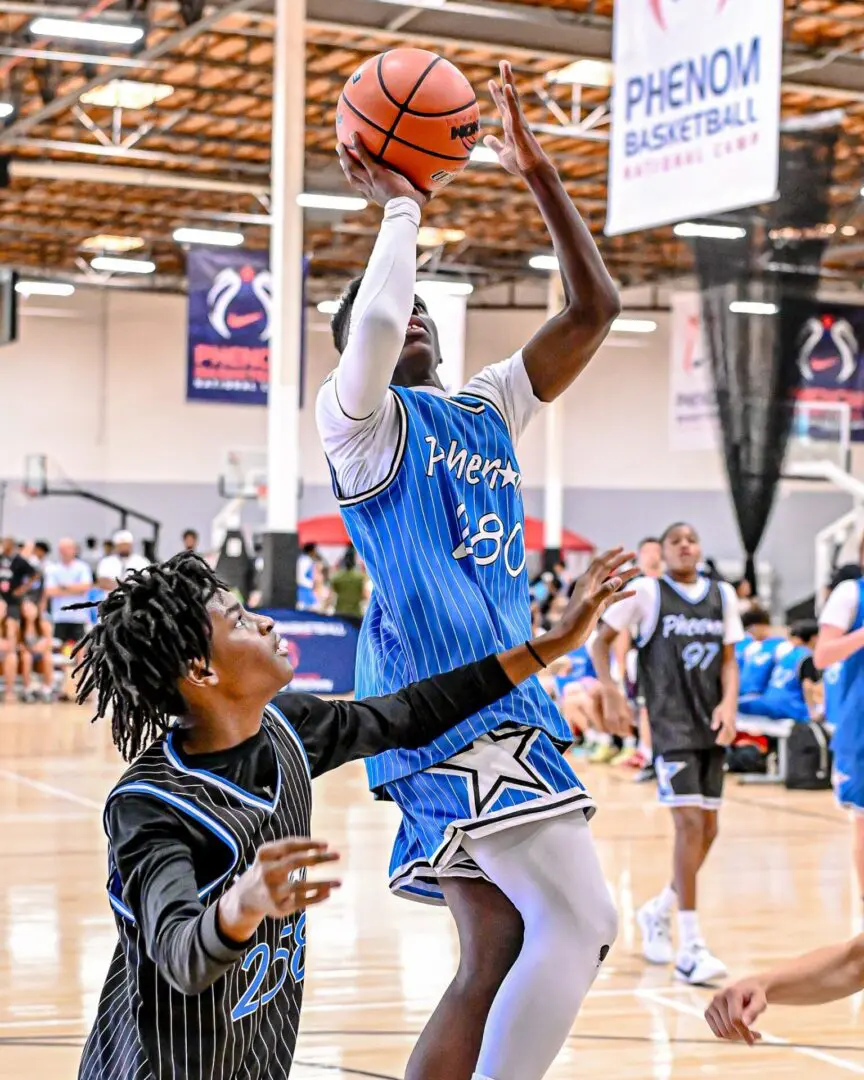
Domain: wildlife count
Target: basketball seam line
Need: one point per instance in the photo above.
(407, 100)
(416, 112)
(396, 138)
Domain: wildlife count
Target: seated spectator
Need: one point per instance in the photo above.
(38, 559)
(756, 652)
(90, 553)
(123, 560)
(190, 540)
(68, 581)
(791, 692)
(35, 651)
(8, 654)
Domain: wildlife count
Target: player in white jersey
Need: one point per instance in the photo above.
(429, 488)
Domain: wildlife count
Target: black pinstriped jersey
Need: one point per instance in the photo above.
(245, 1023)
(680, 666)
(212, 1009)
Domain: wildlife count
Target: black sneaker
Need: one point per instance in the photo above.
(645, 774)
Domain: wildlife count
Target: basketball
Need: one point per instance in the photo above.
(415, 112)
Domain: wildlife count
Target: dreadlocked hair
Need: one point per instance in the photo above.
(151, 627)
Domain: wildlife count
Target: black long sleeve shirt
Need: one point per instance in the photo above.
(162, 855)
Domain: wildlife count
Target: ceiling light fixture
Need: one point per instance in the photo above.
(633, 326)
(543, 262)
(849, 230)
(216, 237)
(44, 288)
(328, 307)
(709, 232)
(112, 264)
(753, 307)
(583, 73)
(6, 109)
(112, 243)
(316, 201)
(108, 33)
(127, 94)
(431, 236)
(483, 155)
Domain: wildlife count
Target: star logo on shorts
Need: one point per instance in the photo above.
(488, 776)
(666, 773)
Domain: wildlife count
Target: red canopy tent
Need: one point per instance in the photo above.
(329, 531)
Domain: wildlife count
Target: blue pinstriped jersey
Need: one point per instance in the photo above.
(847, 700)
(443, 539)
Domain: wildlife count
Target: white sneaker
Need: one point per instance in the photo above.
(656, 927)
(696, 965)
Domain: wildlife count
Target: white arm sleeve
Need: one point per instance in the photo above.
(508, 387)
(380, 314)
(841, 607)
(733, 630)
(637, 612)
(357, 418)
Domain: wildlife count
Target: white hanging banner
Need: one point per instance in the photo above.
(695, 110)
(693, 423)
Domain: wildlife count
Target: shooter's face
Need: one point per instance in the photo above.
(421, 353)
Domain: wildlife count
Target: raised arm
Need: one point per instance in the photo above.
(561, 348)
(385, 299)
(334, 732)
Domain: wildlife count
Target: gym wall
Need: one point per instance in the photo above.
(101, 382)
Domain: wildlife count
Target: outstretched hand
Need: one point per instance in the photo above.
(733, 1011)
(519, 152)
(598, 588)
(374, 182)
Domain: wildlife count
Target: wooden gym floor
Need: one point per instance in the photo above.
(778, 881)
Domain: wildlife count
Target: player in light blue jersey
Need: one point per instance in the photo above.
(841, 640)
(790, 693)
(494, 821)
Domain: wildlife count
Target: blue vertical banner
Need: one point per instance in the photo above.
(228, 342)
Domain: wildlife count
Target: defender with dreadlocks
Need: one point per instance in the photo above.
(208, 847)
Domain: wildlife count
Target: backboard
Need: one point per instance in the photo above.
(35, 475)
(821, 433)
(244, 473)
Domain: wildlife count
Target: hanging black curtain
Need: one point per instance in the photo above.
(753, 355)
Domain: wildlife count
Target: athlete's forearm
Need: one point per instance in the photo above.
(381, 312)
(601, 655)
(729, 678)
(833, 650)
(562, 348)
(828, 974)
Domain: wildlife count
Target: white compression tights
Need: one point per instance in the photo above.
(549, 870)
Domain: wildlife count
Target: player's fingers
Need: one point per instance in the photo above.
(617, 597)
(494, 143)
(304, 894)
(607, 589)
(497, 97)
(721, 1006)
(291, 863)
(288, 845)
(744, 1033)
(355, 174)
(366, 159)
(713, 1021)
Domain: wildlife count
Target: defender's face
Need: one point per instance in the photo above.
(246, 654)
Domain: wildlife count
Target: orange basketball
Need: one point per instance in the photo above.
(415, 112)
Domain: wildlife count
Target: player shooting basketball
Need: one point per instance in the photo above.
(208, 847)
(494, 819)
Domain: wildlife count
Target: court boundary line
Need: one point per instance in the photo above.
(51, 789)
(768, 1039)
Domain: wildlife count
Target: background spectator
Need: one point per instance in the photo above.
(123, 561)
(8, 654)
(306, 563)
(90, 554)
(35, 651)
(349, 587)
(68, 581)
(15, 575)
(190, 540)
